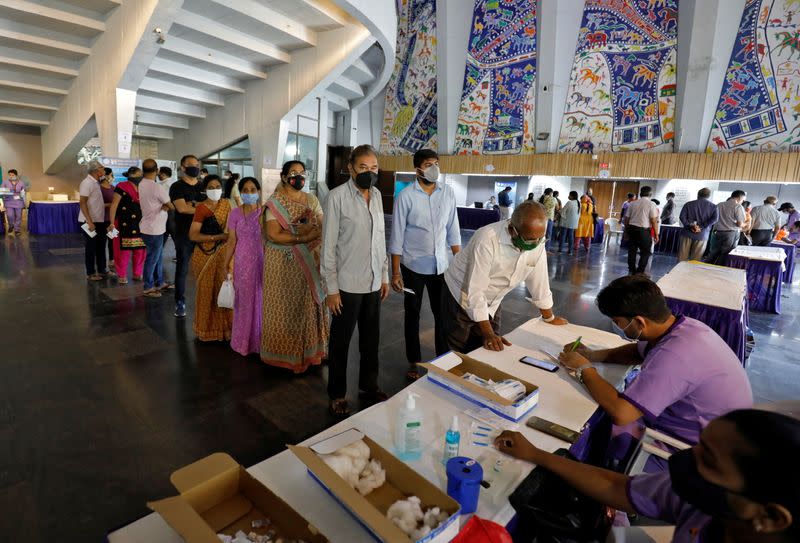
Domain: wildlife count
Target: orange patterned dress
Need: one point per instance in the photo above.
(211, 323)
(295, 326)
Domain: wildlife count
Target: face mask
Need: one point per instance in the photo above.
(365, 180)
(12, 179)
(297, 182)
(250, 199)
(523, 245)
(690, 486)
(431, 173)
(135, 180)
(192, 171)
(621, 332)
(214, 194)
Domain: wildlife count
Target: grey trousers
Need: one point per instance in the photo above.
(691, 249)
(722, 243)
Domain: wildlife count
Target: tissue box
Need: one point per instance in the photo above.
(217, 495)
(452, 380)
(370, 510)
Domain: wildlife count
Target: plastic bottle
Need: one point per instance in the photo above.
(452, 440)
(408, 430)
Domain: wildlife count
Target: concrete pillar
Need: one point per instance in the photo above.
(114, 117)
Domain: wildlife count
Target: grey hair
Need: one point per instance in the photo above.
(94, 165)
(525, 210)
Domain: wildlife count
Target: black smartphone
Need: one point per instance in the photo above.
(541, 364)
(553, 429)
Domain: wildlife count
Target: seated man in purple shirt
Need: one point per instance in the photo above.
(793, 236)
(739, 484)
(689, 375)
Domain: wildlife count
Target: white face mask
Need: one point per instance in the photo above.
(431, 173)
(214, 194)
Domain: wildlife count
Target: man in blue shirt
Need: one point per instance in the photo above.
(504, 197)
(424, 231)
(697, 218)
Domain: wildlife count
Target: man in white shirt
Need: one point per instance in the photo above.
(641, 227)
(766, 222)
(155, 203)
(498, 258)
(92, 217)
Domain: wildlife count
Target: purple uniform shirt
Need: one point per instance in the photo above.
(689, 378)
(652, 496)
(793, 218)
(17, 197)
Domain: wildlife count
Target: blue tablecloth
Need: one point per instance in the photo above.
(730, 324)
(53, 218)
(764, 281)
(788, 274)
(472, 218)
(598, 230)
(3, 222)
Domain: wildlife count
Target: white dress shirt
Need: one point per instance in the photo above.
(491, 266)
(90, 188)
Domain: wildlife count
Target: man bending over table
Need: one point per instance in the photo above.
(689, 375)
(497, 259)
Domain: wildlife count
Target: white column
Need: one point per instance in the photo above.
(453, 23)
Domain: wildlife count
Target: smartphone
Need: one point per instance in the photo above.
(553, 429)
(541, 364)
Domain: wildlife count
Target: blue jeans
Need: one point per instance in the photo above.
(549, 233)
(153, 269)
(183, 251)
(568, 235)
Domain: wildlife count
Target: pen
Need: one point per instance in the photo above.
(577, 342)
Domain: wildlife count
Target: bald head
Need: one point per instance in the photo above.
(150, 168)
(530, 220)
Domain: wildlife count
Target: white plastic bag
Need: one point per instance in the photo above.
(225, 297)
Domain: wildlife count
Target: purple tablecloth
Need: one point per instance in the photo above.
(3, 222)
(730, 324)
(598, 230)
(471, 218)
(764, 281)
(788, 274)
(56, 218)
(669, 238)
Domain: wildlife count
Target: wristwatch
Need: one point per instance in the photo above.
(579, 371)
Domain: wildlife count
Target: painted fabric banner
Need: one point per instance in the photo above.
(410, 118)
(621, 95)
(759, 105)
(496, 115)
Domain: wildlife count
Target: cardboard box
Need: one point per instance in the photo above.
(452, 380)
(217, 495)
(370, 510)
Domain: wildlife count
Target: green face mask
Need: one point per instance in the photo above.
(523, 245)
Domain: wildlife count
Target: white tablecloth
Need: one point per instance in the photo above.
(706, 284)
(562, 400)
(772, 254)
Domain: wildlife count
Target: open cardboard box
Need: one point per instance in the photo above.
(370, 510)
(452, 379)
(217, 495)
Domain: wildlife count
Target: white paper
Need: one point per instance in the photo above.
(112, 233)
(90, 233)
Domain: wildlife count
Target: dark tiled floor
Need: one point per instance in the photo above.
(103, 393)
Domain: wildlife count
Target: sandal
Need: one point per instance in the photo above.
(413, 373)
(340, 407)
(95, 277)
(122, 280)
(375, 396)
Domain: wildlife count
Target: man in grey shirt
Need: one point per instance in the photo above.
(766, 222)
(355, 276)
(726, 231)
(641, 226)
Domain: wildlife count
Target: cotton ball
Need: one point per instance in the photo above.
(406, 514)
(371, 478)
(422, 532)
(359, 452)
(343, 466)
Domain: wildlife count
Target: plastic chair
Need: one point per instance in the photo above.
(648, 446)
(612, 227)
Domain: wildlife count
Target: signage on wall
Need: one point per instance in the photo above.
(605, 170)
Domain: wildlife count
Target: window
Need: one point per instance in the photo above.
(236, 158)
(303, 148)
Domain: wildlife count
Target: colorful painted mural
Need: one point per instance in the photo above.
(759, 106)
(410, 117)
(621, 95)
(496, 115)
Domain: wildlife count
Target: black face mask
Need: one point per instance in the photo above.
(297, 182)
(365, 180)
(192, 171)
(135, 180)
(690, 486)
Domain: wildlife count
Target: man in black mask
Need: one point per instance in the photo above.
(739, 484)
(355, 276)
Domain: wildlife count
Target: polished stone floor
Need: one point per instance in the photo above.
(104, 393)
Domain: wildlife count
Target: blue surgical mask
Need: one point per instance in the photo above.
(622, 332)
(251, 199)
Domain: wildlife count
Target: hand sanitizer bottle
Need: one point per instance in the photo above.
(408, 430)
(452, 440)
